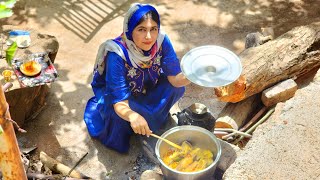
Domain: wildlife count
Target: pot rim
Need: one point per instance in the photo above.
(189, 127)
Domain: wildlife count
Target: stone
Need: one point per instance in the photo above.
(257, 38)
(151, 175)
(316, 78)
(279, 92)
(229, 153)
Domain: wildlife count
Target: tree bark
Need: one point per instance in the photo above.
(291, 55)
(10, 159)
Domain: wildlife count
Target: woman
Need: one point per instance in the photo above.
(137, 79)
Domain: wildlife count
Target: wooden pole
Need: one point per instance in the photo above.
(10, 159)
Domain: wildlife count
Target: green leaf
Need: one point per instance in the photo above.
(10, 3)
(5, 13)
(2, 7)
(10, 53)
(5, 8)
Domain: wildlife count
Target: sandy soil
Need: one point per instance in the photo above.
(81, 26)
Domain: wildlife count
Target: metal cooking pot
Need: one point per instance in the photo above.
(198, 137)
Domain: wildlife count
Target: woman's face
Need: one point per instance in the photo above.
(145, 34)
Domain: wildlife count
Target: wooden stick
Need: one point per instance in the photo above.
(234, 132)
(76, 165)
(254, 119)
(167, 141)
(249, 131)
(219, 133)
(58, 167)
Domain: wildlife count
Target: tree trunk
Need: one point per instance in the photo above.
(10, 159)
(291, 55)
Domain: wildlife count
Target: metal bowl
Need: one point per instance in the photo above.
(198, 137)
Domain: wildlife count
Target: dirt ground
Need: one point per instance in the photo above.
(81, 26)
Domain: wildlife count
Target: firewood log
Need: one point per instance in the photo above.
(58, 167)
(291, 55)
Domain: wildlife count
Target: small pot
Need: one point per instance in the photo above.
(198, 137)
(196, 114)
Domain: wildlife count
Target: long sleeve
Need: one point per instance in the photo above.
(170, 63)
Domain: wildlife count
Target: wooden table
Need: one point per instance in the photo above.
(27, 102)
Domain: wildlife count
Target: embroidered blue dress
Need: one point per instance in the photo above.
(148, 91)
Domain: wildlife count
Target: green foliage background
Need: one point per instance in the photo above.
(6, 8)
(6, 11)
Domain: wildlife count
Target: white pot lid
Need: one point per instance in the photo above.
(211, 66)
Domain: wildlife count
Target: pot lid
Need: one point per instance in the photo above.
(211, 66)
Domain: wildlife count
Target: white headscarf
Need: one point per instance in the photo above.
(135, 54)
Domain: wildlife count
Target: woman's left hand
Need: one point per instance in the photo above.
(178, 80)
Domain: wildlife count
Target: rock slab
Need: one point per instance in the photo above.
(288, 140)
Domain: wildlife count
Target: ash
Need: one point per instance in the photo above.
(140, 165)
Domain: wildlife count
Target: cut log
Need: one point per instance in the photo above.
(234, 115)
(291, 55)
(58, 167)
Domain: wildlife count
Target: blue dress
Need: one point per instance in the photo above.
(113, 86)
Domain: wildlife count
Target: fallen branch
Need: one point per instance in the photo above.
(60, 168)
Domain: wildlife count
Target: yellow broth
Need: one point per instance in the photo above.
(189, 159)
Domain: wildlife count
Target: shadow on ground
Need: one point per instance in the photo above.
(82, 25)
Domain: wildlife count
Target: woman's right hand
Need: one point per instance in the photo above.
(137, 122)
(140, 125)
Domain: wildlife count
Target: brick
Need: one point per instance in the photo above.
(279, 92)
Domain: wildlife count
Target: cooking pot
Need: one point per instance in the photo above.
(198, 137)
